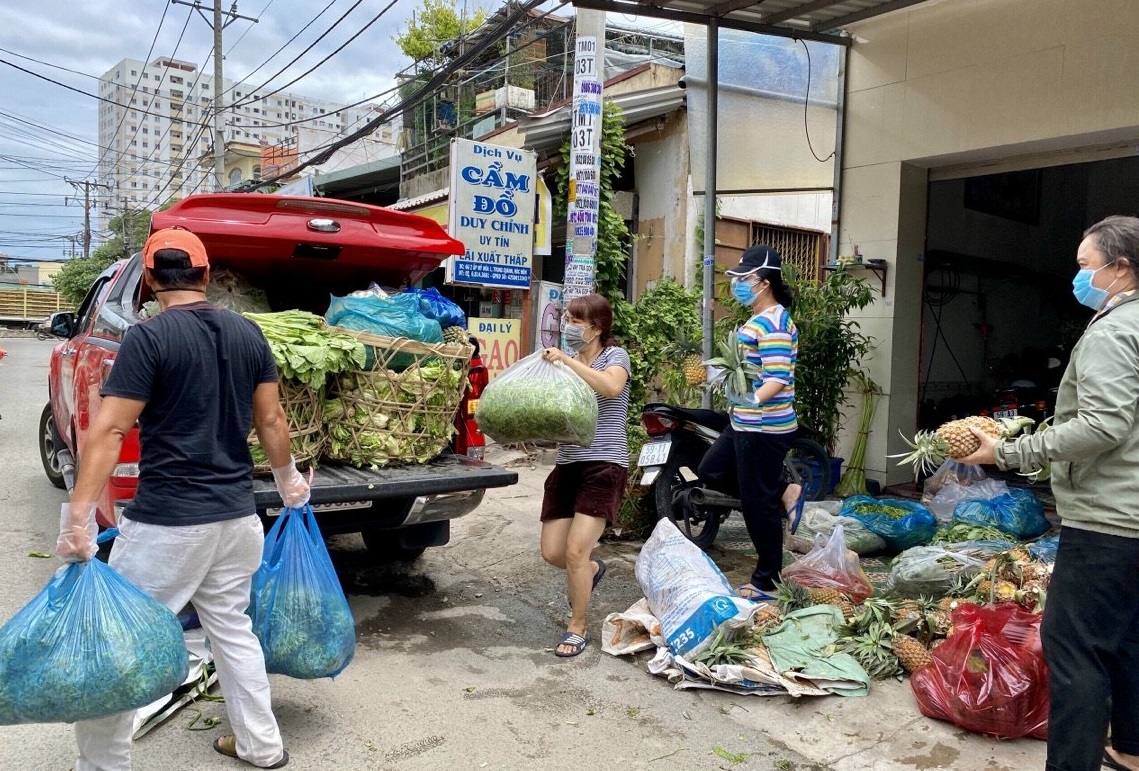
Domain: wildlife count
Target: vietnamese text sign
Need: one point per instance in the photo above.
(584, 193)
(492, 213)
(500, 342)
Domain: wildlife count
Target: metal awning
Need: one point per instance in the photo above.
(547, 131)
(821, 20)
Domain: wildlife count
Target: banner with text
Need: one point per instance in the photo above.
(500, 342)
(492, 213)
(584, 169)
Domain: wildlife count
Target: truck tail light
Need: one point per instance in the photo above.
(129, 470)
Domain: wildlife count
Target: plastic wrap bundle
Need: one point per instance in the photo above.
(1018, 513)
(830, 565)
(930, 571)
(538, 400)
(901, 524)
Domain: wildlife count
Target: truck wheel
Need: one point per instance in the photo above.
(50, 445)
(384, 545)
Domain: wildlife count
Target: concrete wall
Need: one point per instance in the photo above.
(954, 84)
(661, 168)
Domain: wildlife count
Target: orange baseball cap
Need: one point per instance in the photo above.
(176, 238)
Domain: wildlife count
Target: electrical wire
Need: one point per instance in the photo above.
(806, 101)
(296, 58)
(246, 32)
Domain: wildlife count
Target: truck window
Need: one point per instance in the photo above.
(117, 313)
(94, 296)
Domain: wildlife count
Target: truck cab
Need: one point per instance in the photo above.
(300, 251)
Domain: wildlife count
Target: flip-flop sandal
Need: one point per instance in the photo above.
(227, 745)
(576, 642)
(797, 514)
(1110, 762)
(751, 594)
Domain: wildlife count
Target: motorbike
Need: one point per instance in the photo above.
(678, 440)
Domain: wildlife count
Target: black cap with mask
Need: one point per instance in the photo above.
(755, 258)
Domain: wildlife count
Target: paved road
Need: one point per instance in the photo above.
(454, 668)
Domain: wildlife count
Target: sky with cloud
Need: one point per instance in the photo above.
(49, 133)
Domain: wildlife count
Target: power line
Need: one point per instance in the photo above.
(282, 48)
(323, 35)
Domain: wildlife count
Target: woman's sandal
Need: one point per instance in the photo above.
(227, 745)
(601, 568)
(1111, 762)
(751, 594)
(576, 643)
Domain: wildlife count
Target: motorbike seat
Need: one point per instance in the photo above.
(717, 421)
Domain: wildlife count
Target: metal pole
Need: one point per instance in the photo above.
(219, 118)
(840, 121)
(710, 191)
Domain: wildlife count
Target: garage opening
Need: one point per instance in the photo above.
(999, 319)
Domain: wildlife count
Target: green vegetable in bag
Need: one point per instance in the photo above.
(538, 400)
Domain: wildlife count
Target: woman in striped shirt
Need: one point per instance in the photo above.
(585, 489)
(762, 421)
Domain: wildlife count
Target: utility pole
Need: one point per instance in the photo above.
(126, 227)
(87, 185)
(219, 117)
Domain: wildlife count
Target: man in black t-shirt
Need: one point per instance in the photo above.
(195, 378)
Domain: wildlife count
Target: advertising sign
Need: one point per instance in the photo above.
(548, 315)
(584, 170)
(500, 342)
(493, 196)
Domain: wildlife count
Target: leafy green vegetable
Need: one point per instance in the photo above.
(963, 531)
(383, 417)
(306, 348)
(89, 645)
(535, 399)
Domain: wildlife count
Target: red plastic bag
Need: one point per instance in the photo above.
(989, 676)
(830, 565)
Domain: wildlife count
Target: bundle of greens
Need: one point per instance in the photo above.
(384, 417)
(535, 399)
(306, 348)
(89, 645)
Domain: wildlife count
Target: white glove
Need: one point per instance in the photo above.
(77, 532)
(291, 486)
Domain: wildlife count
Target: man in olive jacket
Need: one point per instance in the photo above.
(1091, 621)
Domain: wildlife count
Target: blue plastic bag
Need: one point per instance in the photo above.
(89, 645)
(916, 525)
(299, 610)
(395, 316)
(1018, 512)
(1044, 550)
(435, 306)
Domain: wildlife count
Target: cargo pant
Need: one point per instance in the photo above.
(212, 566)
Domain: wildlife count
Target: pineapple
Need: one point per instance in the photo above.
(767, 617)
(911, 653)
(833, 597)
(455, 336)
(691, 356)
(875, 610)
(792, 596)
(873, 650)
(955, 440)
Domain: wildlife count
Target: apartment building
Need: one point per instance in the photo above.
(156, 130)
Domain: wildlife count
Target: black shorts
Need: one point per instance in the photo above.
(594, 488)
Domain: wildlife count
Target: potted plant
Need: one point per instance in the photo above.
(831, 345)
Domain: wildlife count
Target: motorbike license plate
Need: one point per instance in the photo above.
(654, 453)
(1011, 413)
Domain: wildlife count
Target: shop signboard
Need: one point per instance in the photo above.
(547, 315)
(500, 342)
(493, 195)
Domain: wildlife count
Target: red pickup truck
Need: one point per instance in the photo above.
(299, 250)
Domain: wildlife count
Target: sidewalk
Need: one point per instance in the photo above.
(881, 732)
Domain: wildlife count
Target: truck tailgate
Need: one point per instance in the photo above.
(335, 483)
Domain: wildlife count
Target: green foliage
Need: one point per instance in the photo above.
(435, 23)
(831, 347)
(647, 329)
(78, 275)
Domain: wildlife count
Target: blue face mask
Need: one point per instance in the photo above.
(1087, 294)
(743, 292)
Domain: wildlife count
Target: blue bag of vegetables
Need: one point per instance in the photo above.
(89, 645)
(299, 610)
(1018, 512)
(395, 316)
(901, 524)
(435, 306)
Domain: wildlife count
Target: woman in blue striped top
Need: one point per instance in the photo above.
(763, 421)
(585, 489)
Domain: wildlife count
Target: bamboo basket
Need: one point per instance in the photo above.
(406, 417)
(302, 405)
